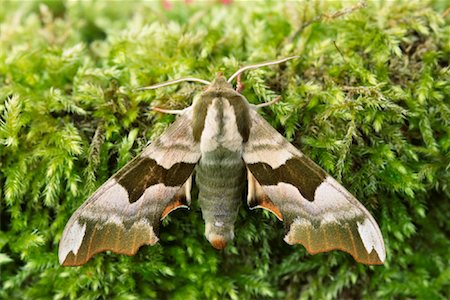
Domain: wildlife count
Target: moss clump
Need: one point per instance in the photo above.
(368, 101)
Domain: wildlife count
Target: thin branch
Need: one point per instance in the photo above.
(339, 50)
(364, 90)
(329, 16)
(446, 12)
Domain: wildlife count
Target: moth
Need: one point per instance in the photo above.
(229, 147)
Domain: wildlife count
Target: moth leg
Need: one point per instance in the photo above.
(169, 111)
(239, 85)
(277, 99)
(256, 198)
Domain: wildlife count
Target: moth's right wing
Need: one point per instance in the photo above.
(317, 211)
(125, 212)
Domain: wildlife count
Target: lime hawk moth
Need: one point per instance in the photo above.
(230, 148)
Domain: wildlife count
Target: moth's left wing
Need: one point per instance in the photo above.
(318, 212)
(125, 212)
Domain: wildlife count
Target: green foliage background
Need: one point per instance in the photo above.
(368, 100)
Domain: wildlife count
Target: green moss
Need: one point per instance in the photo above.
(368, 100)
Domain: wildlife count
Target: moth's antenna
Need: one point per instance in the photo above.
(268, 63)
(158, 85)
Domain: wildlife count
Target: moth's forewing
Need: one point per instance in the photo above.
(125, 212)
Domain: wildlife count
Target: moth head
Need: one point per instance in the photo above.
(220, 83)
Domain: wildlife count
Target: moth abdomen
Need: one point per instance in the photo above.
(220, 177)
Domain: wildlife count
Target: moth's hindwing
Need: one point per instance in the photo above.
(125, 212)
(318, 212)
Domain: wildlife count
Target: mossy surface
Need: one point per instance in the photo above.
(368, 100)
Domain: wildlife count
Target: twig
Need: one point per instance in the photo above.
(339, 50)
(329, 16)
(364, 90)
(446, 12)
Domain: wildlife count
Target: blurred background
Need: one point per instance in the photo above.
(368, 100)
